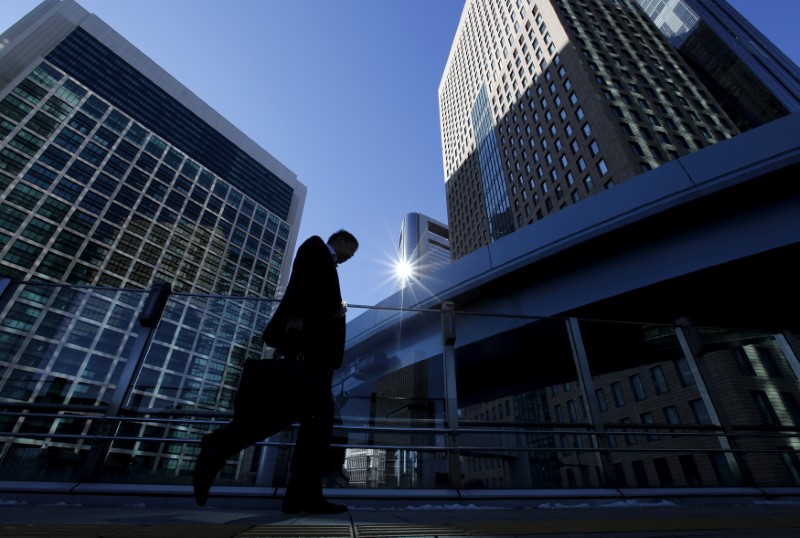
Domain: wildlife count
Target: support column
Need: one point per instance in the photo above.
(693, 350)
(599, 439)
(451, 393)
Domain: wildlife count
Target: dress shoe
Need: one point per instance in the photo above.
(209, 463)
(319, 506)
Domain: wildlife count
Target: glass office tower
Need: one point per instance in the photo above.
(544, 103)
(753, 80)
(113, 175)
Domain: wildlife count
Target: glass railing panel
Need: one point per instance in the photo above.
(754, 381)
(520, 405)
(186, 384)
(62, 350)
(658, 430)
(390, 400)
(665, 420)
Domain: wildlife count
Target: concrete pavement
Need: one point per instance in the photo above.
(27, 515)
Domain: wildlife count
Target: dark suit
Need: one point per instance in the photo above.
(312, 295)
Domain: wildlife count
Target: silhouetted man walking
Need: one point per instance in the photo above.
(308, 325)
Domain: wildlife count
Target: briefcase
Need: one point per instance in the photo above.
(268, 385)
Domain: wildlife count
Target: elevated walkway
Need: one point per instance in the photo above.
(71, 510)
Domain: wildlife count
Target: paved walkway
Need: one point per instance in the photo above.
(64, 516)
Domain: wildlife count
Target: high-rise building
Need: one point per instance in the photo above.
(424, 245)
(115, 174)
(115, 177)
(543, 103)
(753, 80)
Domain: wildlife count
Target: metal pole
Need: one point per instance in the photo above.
(451, 392)
(693, 350)
(588, 388)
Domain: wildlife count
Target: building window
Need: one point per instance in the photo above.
(671, 415)
(743, 362)
(636, 386)
(769, 362)
(630, 439)
(684, 372)
(657, 153)
(573, 413)
(700, 411)
(765, 408)
(659, 380)
(601, 400)
(663, 471)
(640, 474)
(792, 407)
(619, 398)
(792, 463)
(647, 418)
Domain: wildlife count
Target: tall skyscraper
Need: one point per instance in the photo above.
(424, 245)
(753, 80)
(543, 103)
(115, 174)
(114, 177)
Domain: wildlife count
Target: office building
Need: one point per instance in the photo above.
(545, 103)
(753, 80)
(114, 175)
(424, 245)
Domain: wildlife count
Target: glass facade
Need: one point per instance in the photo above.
(86, 59)
(91, 196)
(754, 81)
(111, 188)
(494, 190)
(579, 96)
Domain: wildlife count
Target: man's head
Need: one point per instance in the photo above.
(344, 244)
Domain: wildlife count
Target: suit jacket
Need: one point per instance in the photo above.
(312, 295)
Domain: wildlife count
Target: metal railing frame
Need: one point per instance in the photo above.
(721, 427)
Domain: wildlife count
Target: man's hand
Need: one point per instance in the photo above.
(341, 312)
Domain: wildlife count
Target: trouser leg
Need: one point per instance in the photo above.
(241, 433)
(310, 460)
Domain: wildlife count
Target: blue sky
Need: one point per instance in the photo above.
(343, 92)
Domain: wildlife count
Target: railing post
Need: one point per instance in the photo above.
(693, 350)
(451, 392)
(149, 317)
(599, 439)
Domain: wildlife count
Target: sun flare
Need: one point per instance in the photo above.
(403, 270)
